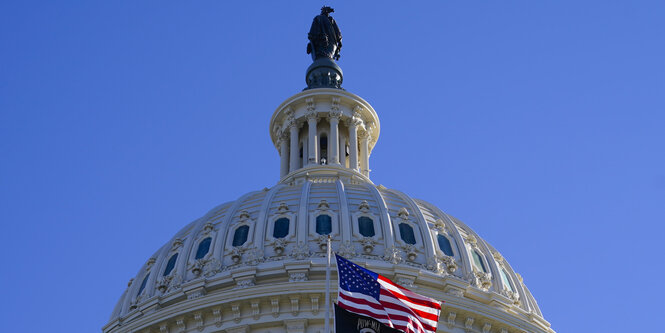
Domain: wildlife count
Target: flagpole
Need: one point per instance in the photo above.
(327, 324)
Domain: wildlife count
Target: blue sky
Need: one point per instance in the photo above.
(538, 123)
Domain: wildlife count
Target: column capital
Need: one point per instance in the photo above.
(353, 122)
(334, 114)
(311, 114)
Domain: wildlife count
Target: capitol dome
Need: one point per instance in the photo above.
(257, 264)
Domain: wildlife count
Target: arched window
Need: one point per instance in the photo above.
(324, 149)
(145, 280)
(506, 280)
(366, 226)
(406, 232)
(444, 245)
(323, 224)
(203, 249)
(171, 264)
(478, 260)
(281, 228)
(240, 235)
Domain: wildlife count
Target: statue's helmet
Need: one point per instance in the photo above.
(325, 10)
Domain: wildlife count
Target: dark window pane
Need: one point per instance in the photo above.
(240, 236)
(145, 280)
(366, 226)
(406, 232)
(203, 249)
(477, 258)
(323, 225)
(281, 228)
(444, 245)
(506, 281)
(171, 264)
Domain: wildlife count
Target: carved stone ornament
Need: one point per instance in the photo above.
(480, 280)
(471, 239)
(468, 324)
(236, 254)
(410, 251)
(368, 244)
(311, 106)
(245, 283)
(164, 281)
(252, 256)
(513, 296)
(451, 264)
(297, 277)
(176, 243)
(217, 316)
(244, 216)
(335, 104)
(323, 205)
(301, 251)
(450, 321)
(180, 322)
(393, 255)
(497, 256)
(279, 246)
(439, 225)
(235, 310)
(212, 267)
(283, 208)
(150, 262)
(347, 250)
(403, 213)
(197, 267)
(198, 321)
(487, 327)
(208, 227)
(315, 304)
(256, 310)
(322, 240)
(274, 303)
(363, 206)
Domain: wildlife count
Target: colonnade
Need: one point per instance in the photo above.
(358, 141)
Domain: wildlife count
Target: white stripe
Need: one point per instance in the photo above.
(398, 302)
(406, 292)
(401, 302)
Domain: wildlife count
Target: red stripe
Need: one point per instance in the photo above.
(405, 308)
(361, 301)
(425, 301)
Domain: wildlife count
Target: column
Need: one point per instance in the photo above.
(333, 140)
(293, 164)
(364, 153)
(353, 144)
(313, 139)
(283, 155)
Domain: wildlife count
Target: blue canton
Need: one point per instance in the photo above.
(354, 278)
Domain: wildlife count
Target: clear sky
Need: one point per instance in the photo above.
(538, 123)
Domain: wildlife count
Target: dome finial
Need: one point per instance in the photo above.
(325, 42)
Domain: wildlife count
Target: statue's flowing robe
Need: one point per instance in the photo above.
(325, 37)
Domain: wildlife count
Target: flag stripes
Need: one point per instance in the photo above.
(366, 293)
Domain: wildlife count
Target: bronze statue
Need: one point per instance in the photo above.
(325, 40)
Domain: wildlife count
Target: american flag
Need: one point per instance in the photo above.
(367, 293)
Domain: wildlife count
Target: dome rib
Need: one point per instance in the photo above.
(345, 214)
(422, 224)
(262, 219)
(384, 215)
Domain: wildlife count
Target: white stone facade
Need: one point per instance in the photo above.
(273, 279)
